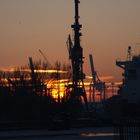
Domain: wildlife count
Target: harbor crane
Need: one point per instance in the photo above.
(37, 84)
(45, 58)
(96, 84)
(76, 89)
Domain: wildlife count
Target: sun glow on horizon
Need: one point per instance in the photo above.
(36, 70)
(57, 87)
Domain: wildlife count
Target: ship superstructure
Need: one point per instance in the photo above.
(130, 89)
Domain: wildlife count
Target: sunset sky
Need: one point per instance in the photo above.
(109, 26)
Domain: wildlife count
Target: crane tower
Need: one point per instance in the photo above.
(76, 56)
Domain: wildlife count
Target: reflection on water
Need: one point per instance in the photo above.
(71, 136)
(97, 134)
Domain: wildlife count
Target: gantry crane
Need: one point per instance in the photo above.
(77, 88)
(96, 82)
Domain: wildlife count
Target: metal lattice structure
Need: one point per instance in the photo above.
(76, 56)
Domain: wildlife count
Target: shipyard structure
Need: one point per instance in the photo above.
(130, 89)
(29, 97)
(34, 97)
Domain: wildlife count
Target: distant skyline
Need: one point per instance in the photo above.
(109, 27)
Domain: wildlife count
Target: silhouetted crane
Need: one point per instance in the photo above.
(96, 82)
(77, 88)
(45, 58)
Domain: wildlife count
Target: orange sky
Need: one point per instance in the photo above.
(109, 26)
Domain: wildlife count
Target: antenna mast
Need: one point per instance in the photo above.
(129, 53)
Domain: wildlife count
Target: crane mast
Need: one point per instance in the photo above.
(92, 68)
(77, 51)
(96, 82)
(76, 56)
